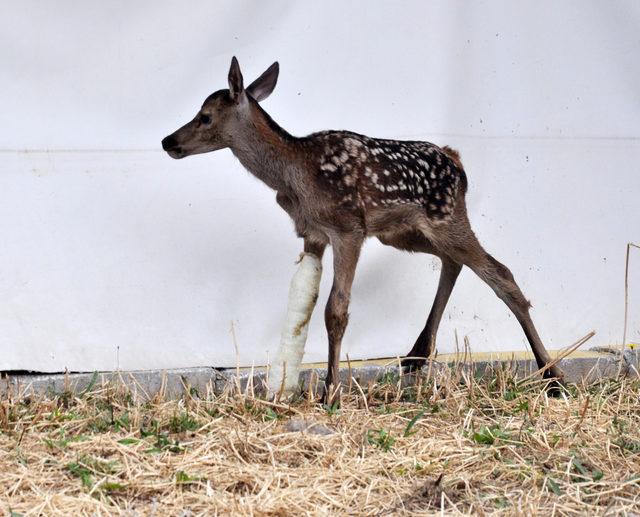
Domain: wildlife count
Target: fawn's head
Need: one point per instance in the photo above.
(222, 117)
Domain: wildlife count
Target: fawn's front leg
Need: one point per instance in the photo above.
(346, 251)
(303, 294)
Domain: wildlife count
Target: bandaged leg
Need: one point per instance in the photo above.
(303, 293)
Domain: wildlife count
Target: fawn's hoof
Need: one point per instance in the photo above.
(555, 386)
(412, 364)
(330, 395)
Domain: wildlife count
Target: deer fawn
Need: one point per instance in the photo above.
(340, 187)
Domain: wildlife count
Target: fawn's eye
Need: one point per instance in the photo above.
(205, 119)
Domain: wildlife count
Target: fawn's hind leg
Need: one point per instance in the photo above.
(425, 344)
(469, 252)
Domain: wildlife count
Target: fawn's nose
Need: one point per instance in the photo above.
(168, 143)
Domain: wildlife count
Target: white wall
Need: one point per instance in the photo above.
(114, 255)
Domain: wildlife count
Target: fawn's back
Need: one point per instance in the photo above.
(370, 173)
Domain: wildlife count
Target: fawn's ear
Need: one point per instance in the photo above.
(262, 87)
(235, 80)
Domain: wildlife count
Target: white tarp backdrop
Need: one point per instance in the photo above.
(114, 255)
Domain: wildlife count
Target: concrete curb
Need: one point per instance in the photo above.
(173, 383)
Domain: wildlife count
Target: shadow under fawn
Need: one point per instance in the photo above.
(341, 187)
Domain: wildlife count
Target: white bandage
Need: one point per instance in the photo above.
(303, 293)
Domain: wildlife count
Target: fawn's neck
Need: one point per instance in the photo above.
(268, 151)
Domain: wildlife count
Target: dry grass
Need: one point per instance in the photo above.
(457, 445)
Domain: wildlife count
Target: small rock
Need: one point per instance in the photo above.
(299, 425)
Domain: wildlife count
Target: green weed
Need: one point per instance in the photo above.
(380, 438)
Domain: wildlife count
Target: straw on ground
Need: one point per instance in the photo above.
(451, 444)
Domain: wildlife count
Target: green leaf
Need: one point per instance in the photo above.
(489, 435)
(182, 477)
(579, 467)
(510, 395)
(501, 502)
(412, 422)
(91, 384)
(628, 445)
(183, 423)
(129, 441)
(81, 471)
(381, 439)
(270, 414)
(332, 409)
(555, 488)
(484, 436)
(112, 487)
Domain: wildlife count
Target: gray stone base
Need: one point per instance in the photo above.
(602, 363)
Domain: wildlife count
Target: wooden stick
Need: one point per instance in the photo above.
(626, 303)
(569, 350)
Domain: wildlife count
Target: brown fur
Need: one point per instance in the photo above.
(453, 154)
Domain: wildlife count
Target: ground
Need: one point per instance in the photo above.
(451, 444)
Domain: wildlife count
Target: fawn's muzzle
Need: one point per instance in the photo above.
(168, 142)
(170, 145)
